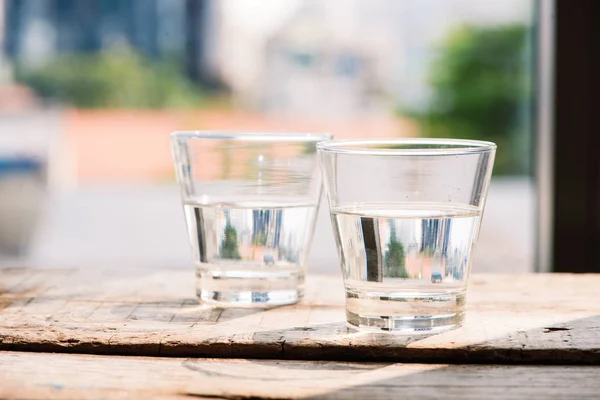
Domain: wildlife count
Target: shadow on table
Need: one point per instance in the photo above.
(473, 382)
(270, 379)
(571, 342)
(560, 350)
(483, 370)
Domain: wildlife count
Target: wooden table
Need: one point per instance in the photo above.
(140, 333)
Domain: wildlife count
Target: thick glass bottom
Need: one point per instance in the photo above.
(405, 313)
(249, 288)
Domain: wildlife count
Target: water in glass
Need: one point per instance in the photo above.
(405, 264)
(250, 252)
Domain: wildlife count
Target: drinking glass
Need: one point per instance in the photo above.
(406, 215)
(250, 203)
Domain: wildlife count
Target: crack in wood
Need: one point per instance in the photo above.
(555, 329)
(231, 396)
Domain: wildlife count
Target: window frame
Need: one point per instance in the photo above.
(568, 167)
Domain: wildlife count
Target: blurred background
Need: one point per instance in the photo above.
(91, 89)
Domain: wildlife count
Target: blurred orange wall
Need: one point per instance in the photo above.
(133, 146)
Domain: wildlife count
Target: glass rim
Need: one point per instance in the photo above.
(254, 136)
(414, 146)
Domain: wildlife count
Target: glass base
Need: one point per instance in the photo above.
(403, 325)
(405, 313)
(249, 288)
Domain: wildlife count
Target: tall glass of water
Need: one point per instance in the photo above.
(250, 202)
(406, 216)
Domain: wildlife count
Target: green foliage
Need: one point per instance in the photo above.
(482, 90)
(229, 245)
(112, 80)
(260, 239)
(427, 251)
(394, 258)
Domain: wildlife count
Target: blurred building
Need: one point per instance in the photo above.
(35, 31)
(304, 62)
(340, 57)
(310, 57)
(5, 74)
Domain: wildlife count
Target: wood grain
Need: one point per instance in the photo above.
(68, 376)
(544, 319)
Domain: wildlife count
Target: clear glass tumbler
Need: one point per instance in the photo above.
(406, 216)
(250, 202)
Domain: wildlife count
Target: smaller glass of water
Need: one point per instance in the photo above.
(406, 216)
(250, 203)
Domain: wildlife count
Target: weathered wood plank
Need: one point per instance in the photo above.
(68, 376)
(510, 319)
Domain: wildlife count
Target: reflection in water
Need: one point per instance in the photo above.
(410, 241)
(263, 222)
(395, 256)
(229, 245)
(252, 235)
